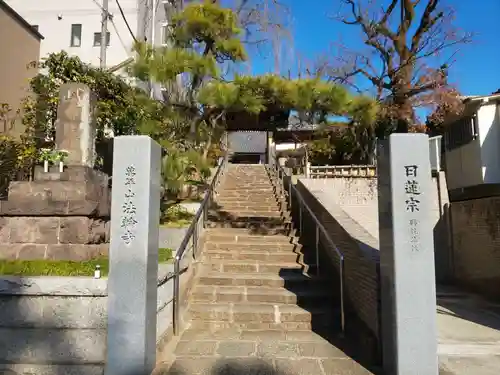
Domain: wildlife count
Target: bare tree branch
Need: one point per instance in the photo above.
(405, 55)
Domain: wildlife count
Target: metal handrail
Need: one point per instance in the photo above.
(192, 232)
(319, 227)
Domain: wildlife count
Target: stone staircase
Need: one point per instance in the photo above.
(256, 307)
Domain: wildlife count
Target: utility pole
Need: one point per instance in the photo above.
(104, 33)
(153, 22)
(153, 34)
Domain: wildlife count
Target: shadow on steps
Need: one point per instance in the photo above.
(238, 366)
(315, 296)
(258, 225)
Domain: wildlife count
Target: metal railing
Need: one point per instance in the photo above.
(280, 174)
(192, 236)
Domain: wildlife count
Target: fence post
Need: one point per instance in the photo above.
(133, 256)
(308, 169)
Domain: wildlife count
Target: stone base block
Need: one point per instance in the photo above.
(53, 208)
(56, 190)
(55, 346)
(53, 230)
(70, 173)
(29, 251)
(39, 369)
(74, 184)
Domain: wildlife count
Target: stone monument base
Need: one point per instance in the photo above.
(59, 216)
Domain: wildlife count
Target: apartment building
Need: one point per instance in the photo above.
(75, 26)
(20, 46)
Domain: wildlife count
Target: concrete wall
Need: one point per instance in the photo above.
(57, 325)
(476, 245)
(53, 325)
(358, 198)
(359, 249)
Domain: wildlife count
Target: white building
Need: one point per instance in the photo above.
(75, 26)
(472, 143)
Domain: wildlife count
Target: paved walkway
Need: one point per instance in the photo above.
(245, 352)
(469, 334)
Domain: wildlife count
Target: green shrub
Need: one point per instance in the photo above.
(176, 216)
(9, 156)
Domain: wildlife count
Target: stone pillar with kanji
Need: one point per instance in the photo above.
(408, 284)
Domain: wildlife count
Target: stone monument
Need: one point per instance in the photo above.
(408, 286)
(75, 128)
(61, 215)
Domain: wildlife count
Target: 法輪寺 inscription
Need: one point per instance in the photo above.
(128, 219)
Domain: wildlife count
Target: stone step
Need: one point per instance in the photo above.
(247, 185)
(263, 197)
(251, 229)
(247, 199)
(261, 245)
(269, 191)
(250, 212)
(273, 207)
(257, 335)
(255, 315)
(260, 256)
(290, 279)
(254, 224)
(249, 206)
(247, 266)
(302, 296)
(249, 358)
(244, 215)
(244, 236)
(236, 178)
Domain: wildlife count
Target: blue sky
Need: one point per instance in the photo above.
(476, 70)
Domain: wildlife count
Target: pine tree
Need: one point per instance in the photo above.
(205, 38)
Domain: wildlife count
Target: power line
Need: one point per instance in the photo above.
(119, 36)
(125, 20)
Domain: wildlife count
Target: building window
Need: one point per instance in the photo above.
(164, 34)
(35, 27)
(76, 35)
(97, 39)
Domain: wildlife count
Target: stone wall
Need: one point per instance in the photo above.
(57, 325)
(476, 245)
(68, 238)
